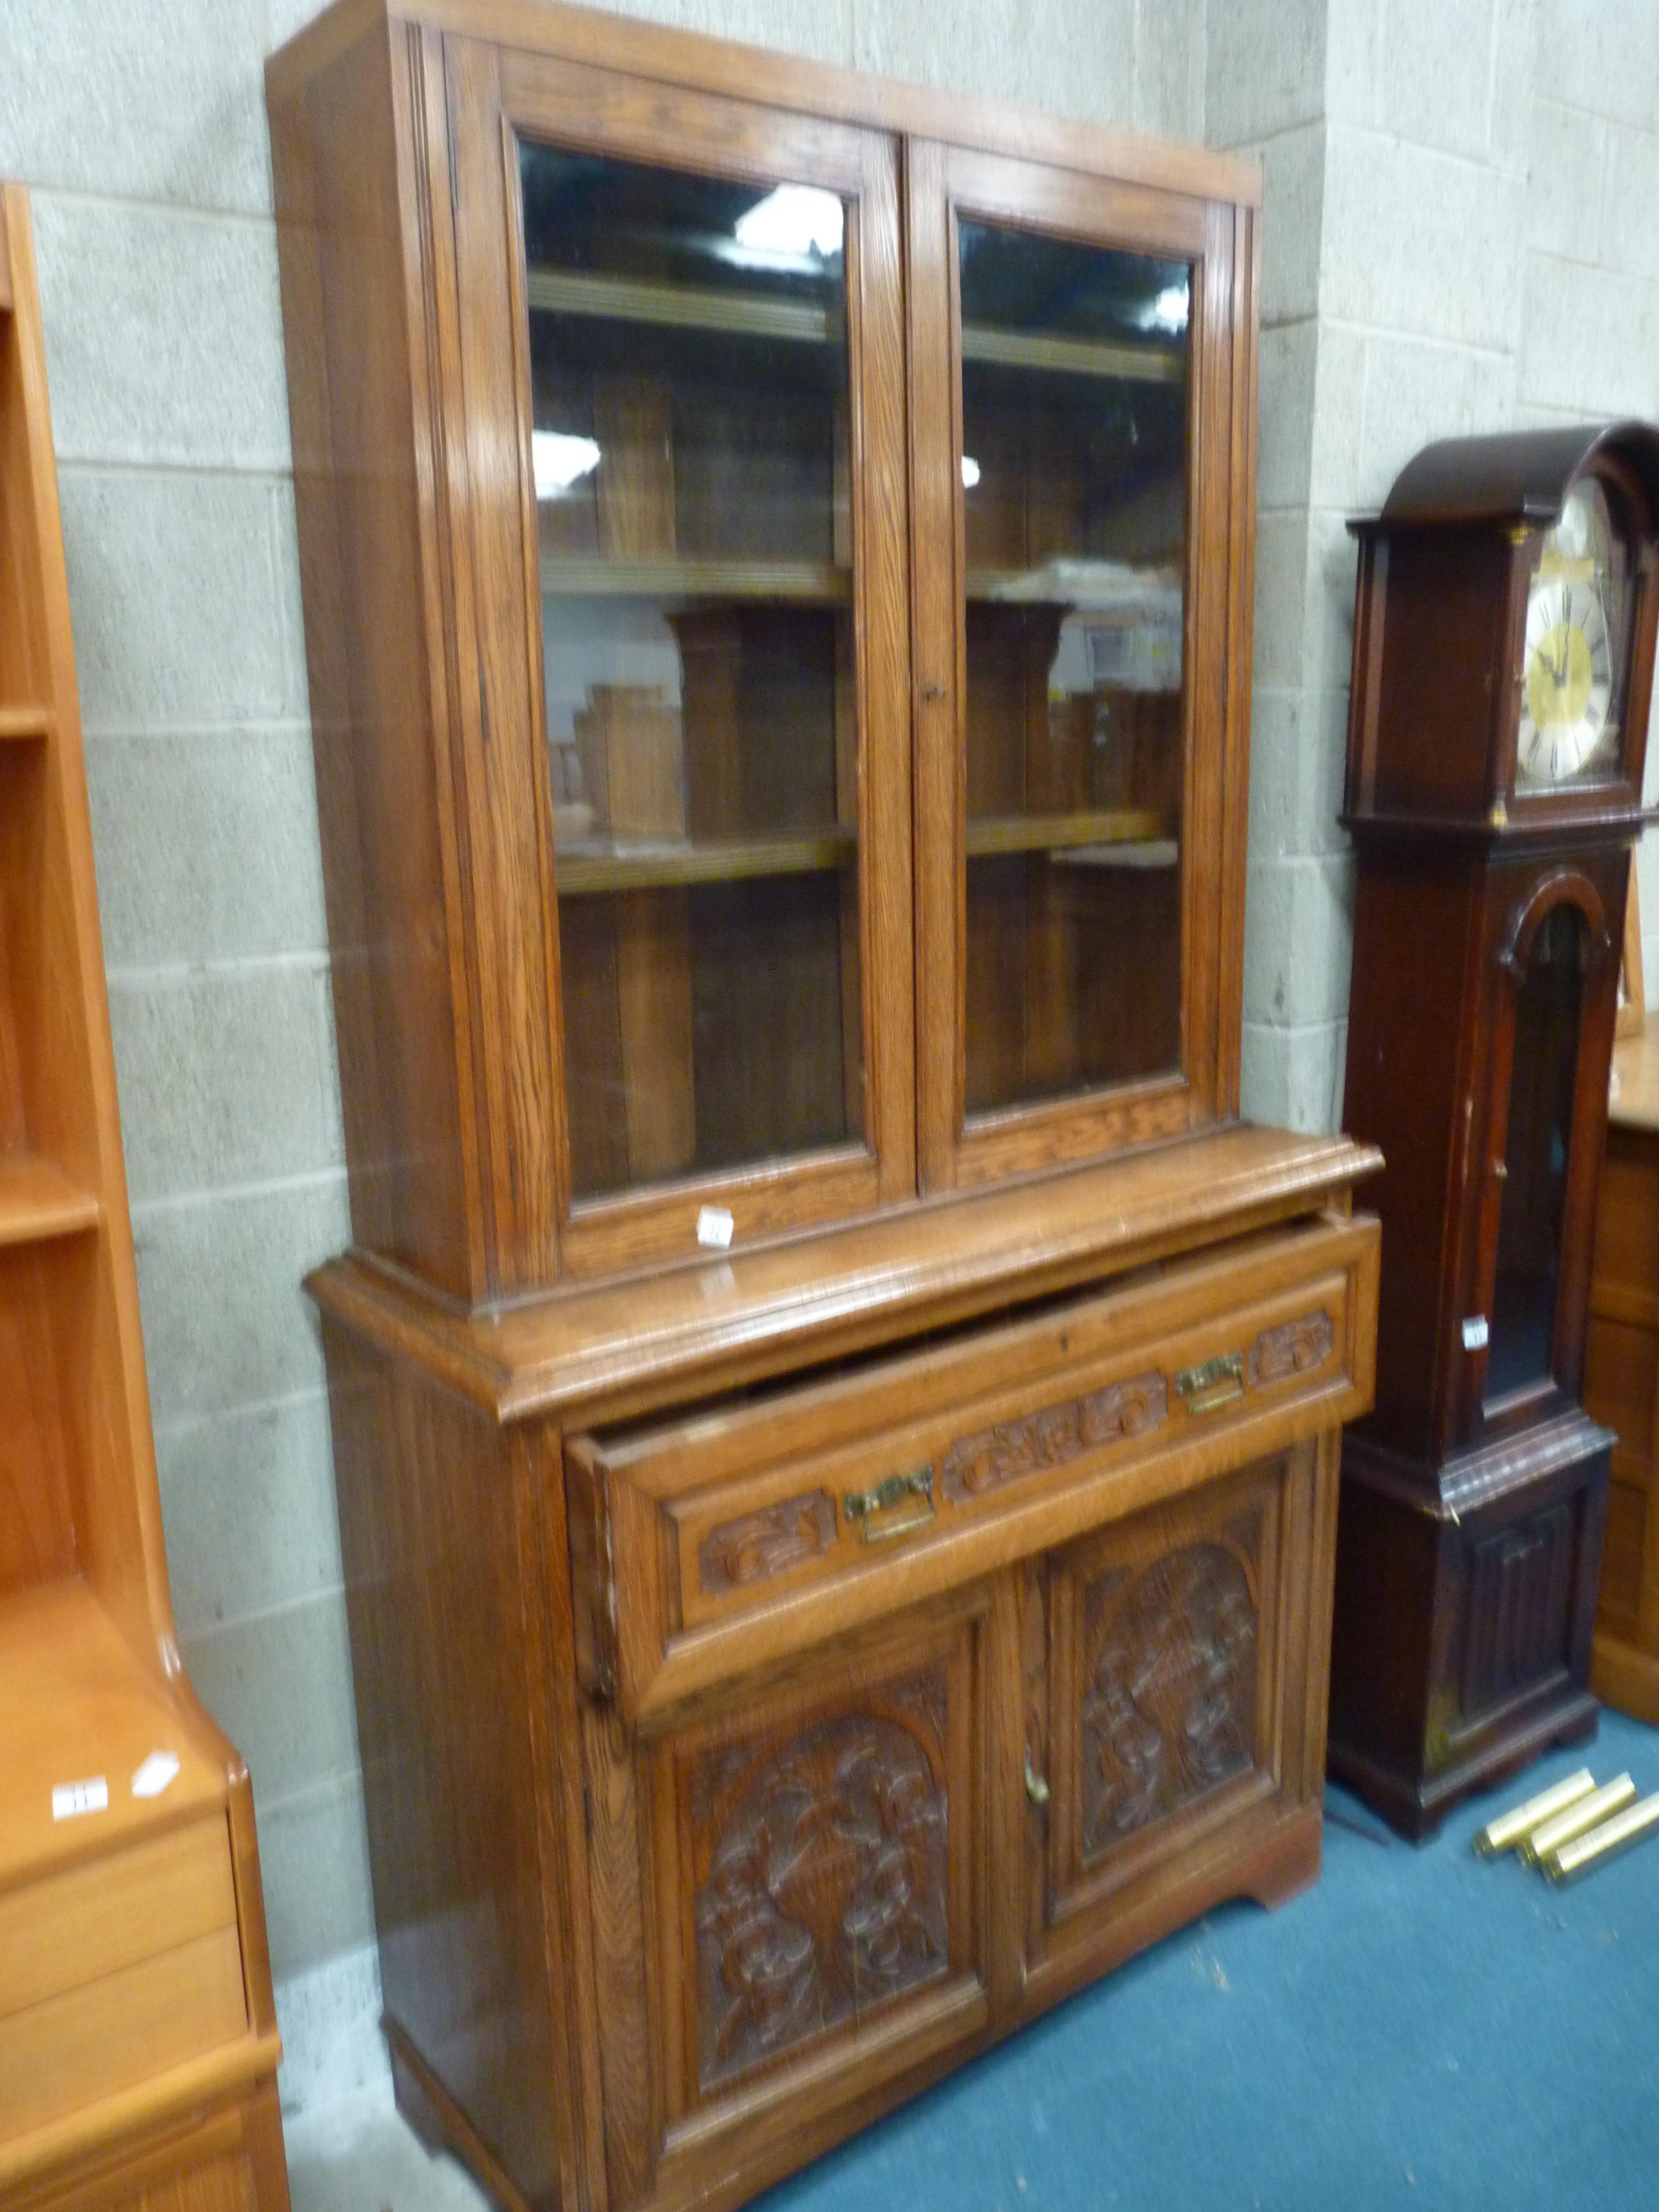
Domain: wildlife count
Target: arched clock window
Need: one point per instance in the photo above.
(1544, 1072)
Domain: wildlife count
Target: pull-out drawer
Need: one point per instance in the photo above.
(116, 1969)
(706, 1545)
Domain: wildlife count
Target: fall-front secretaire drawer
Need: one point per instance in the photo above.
(749, 1529)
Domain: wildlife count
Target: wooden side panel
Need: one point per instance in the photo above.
(367, 479)
(1621, 1389)
(438, 1582)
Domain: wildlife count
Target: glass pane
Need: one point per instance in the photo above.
(1576, 654)
(687, 346)
(1075, 370)
(1535, 1158)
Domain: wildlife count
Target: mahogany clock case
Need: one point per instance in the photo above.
(1488, 922)
(835, 1420)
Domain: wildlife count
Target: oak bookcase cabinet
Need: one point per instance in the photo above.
(138, 2044)
(835, 1417)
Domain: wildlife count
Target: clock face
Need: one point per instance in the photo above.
(1573, 665)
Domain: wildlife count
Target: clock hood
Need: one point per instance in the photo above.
(1520, 477)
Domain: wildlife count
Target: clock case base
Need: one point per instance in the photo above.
(1465, 1609)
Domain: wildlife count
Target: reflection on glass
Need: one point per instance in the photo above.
(689, 360)
(1578, 646)
(1075, 374)
(1535, 1158)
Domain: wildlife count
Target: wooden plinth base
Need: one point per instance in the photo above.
(1465, 1601)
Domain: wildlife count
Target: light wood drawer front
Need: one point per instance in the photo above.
(730, 1538)
(105, 2035)
(113, 1911)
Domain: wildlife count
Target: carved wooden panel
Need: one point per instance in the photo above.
(1170, 1685)
(1294, 1347)
(822, 1873)
(768, 1542)
(1520, 1601)
(1052, 1436)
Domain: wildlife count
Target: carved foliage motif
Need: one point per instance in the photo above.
(1168, 1704)
(825, 1888)
(768, 1542)
(1052, 1436)
(1292, 1348)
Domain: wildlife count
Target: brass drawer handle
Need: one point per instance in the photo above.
(1215, 1384)
(862, 1505)
(1035, 1788)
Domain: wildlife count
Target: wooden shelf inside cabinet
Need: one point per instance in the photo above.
(39, 1201)
(675, 307)
(1068, 357)
(1105, 587)
(814, 582)
(24, 722)
(589, 868)
(1054, 833)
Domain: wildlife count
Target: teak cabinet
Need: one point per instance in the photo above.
(138, 2043)
(835, 1418)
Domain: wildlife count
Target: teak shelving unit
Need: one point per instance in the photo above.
(138, 2044)
(777, 564)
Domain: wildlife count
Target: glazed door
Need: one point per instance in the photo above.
(816, 1853)
(681, 338)
(1080, 365)
(1167, 1665)
(1557, 992)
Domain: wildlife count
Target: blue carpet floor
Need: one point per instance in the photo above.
(1424, 2030)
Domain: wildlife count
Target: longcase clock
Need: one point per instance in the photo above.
(1503, 651)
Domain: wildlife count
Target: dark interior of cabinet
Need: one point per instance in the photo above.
(1073, 951)
(693, 528)
(1537, 1146)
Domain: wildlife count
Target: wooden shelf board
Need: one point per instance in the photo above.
(1106, 587)
(1038, 833)
(799, 322)
(587, 868)
(1073, 356)
(677, 306)
(812, 580)
(38, 1200)
(24, 722)
(76, 1705)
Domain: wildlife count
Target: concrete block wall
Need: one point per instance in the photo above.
(1589, 312)
(140, 125)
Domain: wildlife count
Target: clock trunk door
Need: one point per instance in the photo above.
(1548, 1113)
(1078, 352)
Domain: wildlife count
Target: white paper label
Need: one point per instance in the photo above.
(154, 1776)
(714, 1227)
(70, 1799)
(1475, 1332)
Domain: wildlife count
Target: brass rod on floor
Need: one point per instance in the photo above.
(1513, 1827)
(1567, 1863)
(1588, 1813)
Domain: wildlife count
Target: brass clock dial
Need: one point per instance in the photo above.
(1574, 651)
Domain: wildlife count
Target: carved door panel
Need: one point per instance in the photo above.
(1156, 1704)
(820, 1861)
